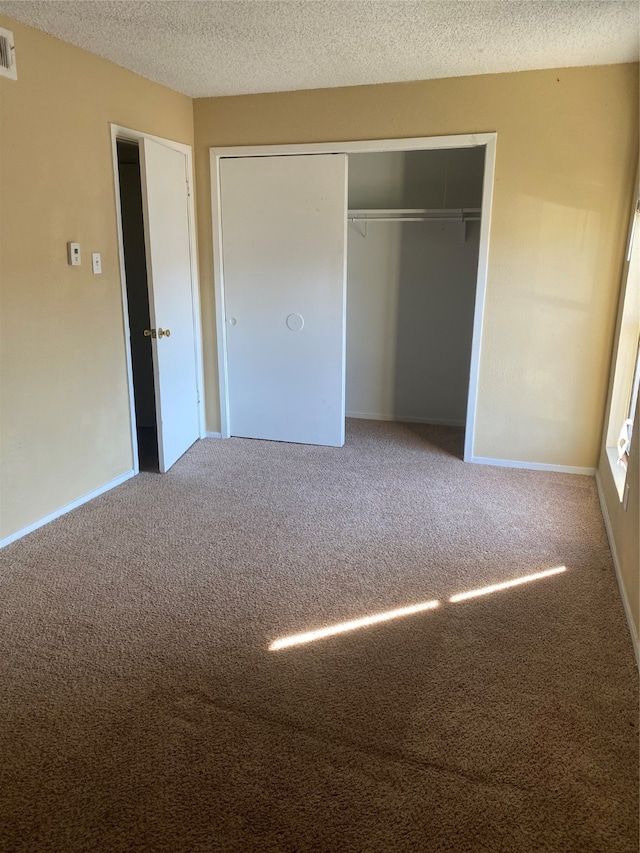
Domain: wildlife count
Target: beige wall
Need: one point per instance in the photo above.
(64, 396)
(566, 154)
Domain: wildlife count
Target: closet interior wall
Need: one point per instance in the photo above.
(411, 286)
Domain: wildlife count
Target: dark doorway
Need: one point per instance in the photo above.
(135, 265)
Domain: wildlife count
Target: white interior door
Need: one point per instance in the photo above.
(284, 261)
(168, 251)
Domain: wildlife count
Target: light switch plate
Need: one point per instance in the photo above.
(73, 254)
(96, 261)
(7, 55)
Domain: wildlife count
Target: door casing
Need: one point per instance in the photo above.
(119, 132)
(423, 143)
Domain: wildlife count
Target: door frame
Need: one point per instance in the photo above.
(117, 132)
(420, 143)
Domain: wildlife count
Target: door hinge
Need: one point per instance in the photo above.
(188, 188)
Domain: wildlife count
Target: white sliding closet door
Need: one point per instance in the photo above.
(284, 261)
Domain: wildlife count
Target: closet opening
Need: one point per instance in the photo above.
(135, 265)
(412, 272)
(417, 217)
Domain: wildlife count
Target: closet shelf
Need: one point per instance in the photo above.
(455, 214)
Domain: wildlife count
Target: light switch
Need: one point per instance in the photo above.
(96, 260)
(73, 254)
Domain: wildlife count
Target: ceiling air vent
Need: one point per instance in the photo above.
(7, 55)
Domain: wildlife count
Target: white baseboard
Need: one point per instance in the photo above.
(212, 434)
(367, 416)
(616, 564)
(433, 421)
(63, 510)
(531, 466)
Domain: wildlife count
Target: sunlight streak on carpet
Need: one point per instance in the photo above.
(496, 587)
(342, 627)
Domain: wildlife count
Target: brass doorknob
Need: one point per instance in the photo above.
(164, 333)
(149, 333)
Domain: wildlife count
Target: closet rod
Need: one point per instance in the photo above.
(460, 214)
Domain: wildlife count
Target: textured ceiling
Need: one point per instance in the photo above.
(224, 47)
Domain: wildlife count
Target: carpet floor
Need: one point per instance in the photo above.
(142, 710)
